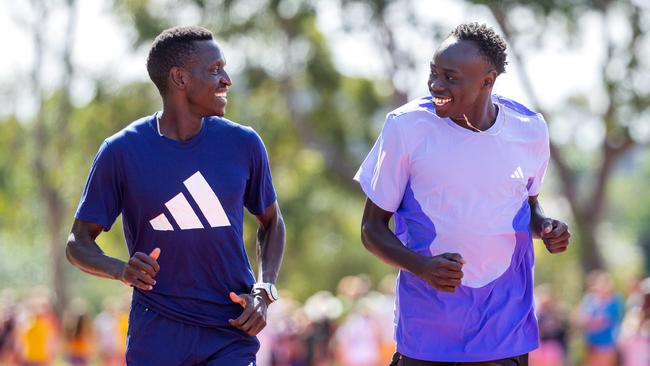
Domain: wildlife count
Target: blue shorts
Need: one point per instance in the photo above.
(156, 340)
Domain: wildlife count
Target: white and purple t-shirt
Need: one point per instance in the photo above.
(186, 198)
(458, 191)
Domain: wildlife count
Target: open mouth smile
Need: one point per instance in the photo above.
(441, 101)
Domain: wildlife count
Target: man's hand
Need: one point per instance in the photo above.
(443, 272)
(555, 235)
(141, 269)
(253, 319)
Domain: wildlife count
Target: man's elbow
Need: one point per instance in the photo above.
(70, 249)
(366, 235)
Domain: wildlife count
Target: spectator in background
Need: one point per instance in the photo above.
(322, 309)
(107, 334)
(38, 334)
(384, 313)
(552, 329)
(77, 331)
(288, 323)
(7, 328)
(634, 341)
(358, 339)
(599, 316)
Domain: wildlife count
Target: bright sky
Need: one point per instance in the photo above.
(103, 49)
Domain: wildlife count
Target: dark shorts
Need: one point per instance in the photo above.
(401, 360)
(156, 340)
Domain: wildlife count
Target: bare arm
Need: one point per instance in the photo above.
(442, 272)
(270, 248)
(554, 233)
(270, 243)
(84, 253)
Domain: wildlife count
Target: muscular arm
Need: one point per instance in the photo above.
(270, 248)
(377, 237)
(84, 253)
(442, 272)
(270, 243)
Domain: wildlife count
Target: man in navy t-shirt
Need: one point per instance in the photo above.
(181, 179)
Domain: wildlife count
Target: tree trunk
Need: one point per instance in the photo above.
(49, 149)
(591, 258)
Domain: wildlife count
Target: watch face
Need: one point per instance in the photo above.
(274, 292)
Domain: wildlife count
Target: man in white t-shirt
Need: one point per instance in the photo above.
(461, 170)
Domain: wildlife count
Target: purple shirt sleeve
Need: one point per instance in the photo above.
(384, 174)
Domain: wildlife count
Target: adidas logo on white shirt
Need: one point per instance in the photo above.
(183, 213)
(518, 173)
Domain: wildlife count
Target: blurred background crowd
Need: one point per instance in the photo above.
(351, 327)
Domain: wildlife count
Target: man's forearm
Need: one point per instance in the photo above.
(88, 257)
(270, 249)
(383, 243)
(537, 216)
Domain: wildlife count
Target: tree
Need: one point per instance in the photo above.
(50, 134)
(624, 103)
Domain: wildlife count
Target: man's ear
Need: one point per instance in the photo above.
(178, 77)
(488, 80)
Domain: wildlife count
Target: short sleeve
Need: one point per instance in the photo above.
(260, 192)
(101, 201)
(384, 173)
(544, 154)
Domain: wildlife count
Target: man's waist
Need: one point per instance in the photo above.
(203, 312)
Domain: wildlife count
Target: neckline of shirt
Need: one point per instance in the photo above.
(494, 130)
(154, 124)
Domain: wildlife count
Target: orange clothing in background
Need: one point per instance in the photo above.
(38, 337)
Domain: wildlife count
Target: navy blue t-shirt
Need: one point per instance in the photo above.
(186, 198)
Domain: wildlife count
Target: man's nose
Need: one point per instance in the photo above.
(225, 79)
(436, 85)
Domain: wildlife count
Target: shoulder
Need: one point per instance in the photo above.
(522, 118)
(413, 120)
(416, 108)
(519, 112)
(234, 131)
(133, 133)
(412, 114)
(225, 126)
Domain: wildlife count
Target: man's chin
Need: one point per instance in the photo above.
(441, 114)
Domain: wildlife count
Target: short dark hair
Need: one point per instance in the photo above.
(173, 47)
(490, 44)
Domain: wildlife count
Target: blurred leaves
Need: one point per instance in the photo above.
(317, 123)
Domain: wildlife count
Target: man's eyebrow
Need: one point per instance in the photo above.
(219, 62)
(445, 69)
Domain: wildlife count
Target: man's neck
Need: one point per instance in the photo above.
(179, 125)
(480, 119)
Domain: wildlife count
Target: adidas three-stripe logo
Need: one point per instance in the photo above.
(183, 213)
(518, 173)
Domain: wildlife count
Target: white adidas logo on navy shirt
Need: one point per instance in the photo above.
(183, 213)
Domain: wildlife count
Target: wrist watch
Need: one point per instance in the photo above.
(269, 288)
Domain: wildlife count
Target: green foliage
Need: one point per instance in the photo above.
(316, 122)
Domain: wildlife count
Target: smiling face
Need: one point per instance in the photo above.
(208, 83)
(461, 80)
